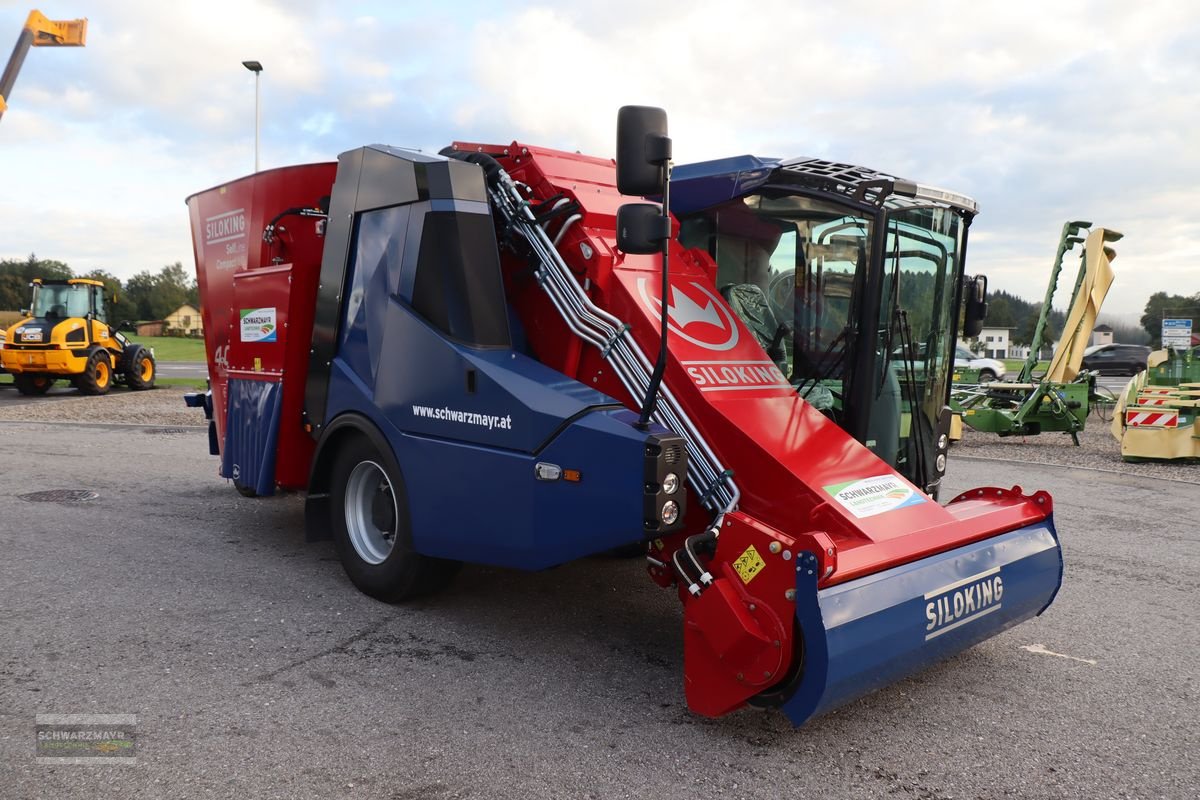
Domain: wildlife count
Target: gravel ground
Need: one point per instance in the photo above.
(1097, 450)
(161, 406)
(255, 670)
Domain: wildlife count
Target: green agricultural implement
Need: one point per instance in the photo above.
(1059, 400)
(1158, 416)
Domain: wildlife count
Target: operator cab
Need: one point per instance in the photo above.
(851, 280)
(68, 299)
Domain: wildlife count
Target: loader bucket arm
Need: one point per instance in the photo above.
(39, 32)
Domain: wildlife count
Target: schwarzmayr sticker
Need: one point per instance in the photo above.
(871, 496)
(258, 325)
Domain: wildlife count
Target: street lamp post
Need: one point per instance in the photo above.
(256, 67)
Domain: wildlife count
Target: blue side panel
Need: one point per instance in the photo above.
(476, 502)
(421, 387)
(251, 433)
(708, 183)
(864, 634)
(487, 506)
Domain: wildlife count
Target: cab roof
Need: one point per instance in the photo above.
(68, 282)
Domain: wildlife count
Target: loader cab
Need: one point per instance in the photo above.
(68, 299)
(851, 280)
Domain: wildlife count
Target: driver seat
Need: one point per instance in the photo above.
(749, 302)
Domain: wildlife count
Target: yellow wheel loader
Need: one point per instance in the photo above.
(66, 334)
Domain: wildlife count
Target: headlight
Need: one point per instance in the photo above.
(940, 462)
(671, 483)
(942, 442)
(670, 512)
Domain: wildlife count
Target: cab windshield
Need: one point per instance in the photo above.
(62, 301)
(803, 274)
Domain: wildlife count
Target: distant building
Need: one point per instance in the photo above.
(1022, 351)
(152, 328)
(996, 342)
(186, 318)
(1102, 334)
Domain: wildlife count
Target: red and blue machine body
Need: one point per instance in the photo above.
(829, 574)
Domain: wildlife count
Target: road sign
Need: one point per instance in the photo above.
(1176, 333)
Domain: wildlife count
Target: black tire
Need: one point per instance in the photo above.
(97, 377)
(986, 376)
(32, 384)
(139, 368)
(359, 471)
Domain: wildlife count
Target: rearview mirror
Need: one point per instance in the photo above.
(976, 306)
(643, 150)
(641, 228)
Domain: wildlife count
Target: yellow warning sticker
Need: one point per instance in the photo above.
(748, 564)
(257, 364)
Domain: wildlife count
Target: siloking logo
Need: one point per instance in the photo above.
(225, 239)
(259, 325)
(695, 314)
(871, 496)
(225, 227)
(962, 601)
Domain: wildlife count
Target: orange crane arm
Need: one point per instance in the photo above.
(39, 32)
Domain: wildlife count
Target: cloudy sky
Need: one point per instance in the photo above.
(1042, 111)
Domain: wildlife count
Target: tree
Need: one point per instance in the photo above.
(1162, 305)
(15, 276)
(154, 296)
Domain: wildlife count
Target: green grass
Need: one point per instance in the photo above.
(187, 383)
(170, 348)
(1015, 364)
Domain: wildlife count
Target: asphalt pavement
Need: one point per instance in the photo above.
(255, 670)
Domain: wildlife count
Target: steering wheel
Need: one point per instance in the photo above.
(781, 294)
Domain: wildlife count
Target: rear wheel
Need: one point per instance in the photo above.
(371, 527)
(986, 376)
(97, 375)
(32, 384)
(139, 368)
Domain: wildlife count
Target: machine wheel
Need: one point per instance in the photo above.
(97, 376)
(372, 531)
(32, 384)
(139, 368)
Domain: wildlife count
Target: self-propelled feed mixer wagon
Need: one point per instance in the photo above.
(461, 357)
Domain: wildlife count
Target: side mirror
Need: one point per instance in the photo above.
(976, 309)
(24, 312)
(643, 150)
(641, 228)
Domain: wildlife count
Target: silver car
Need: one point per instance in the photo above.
(989, 368)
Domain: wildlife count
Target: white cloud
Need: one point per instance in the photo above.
(1042, 111)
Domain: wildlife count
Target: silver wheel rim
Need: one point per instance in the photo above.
(367, 480)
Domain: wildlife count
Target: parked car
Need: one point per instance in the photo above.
(989, 368)
(1116, 359)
